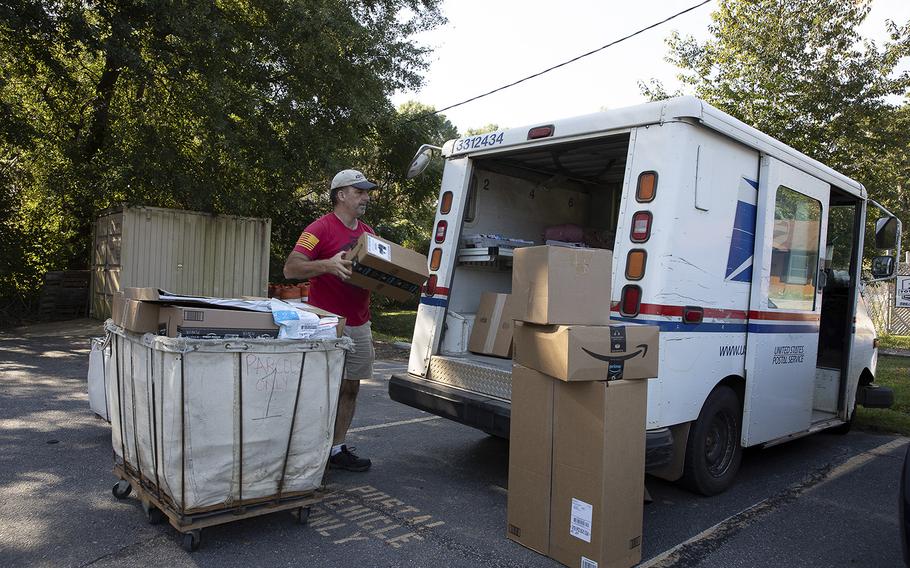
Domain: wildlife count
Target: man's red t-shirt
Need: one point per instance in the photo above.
(322, 239)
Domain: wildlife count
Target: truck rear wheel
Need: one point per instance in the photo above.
(713, 451)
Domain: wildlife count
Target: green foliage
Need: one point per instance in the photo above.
(394, 325)
(891, 372)
(223, 106)
(482, 130)
(800, 71)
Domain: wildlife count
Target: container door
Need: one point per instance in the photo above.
(785, 302)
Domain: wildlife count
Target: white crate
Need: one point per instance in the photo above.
(214, 423)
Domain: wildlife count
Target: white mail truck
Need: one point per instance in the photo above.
(746, 253)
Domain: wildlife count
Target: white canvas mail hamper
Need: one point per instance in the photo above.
(216, 423)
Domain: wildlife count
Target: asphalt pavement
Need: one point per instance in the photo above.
(436, 495)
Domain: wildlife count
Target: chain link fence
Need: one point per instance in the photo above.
(879, 296)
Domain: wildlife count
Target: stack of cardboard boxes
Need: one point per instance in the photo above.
(577, 440)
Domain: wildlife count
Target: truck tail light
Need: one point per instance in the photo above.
(641, 227)
(436, 259)
(540, 132)
(441, 231)
(693, 314)
(430, 287)
(635, 264)
(630, 301)
(647, 187)
(445, 204)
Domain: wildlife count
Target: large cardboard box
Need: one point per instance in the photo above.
(530, 459)
(200, 323)
(559, 285)
(386, 268)
(203, 323)
(588, 352)
(492, 331)
(598, 473)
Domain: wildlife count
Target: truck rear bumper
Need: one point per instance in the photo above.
(493, 416)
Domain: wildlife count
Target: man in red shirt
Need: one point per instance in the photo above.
(320, 256)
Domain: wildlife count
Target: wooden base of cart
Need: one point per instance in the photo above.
(158, 506)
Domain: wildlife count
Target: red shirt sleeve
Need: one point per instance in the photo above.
(310, 243)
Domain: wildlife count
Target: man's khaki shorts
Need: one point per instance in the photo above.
(359, 363)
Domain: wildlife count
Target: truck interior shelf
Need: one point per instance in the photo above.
(493, 257)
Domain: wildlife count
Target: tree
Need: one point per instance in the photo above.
(799, 71)
(224, 107)
(491, 127)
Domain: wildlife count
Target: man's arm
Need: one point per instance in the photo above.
(299, 266)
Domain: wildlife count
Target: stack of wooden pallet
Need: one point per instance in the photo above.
(65, 295)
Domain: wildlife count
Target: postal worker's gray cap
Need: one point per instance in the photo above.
(353, 178)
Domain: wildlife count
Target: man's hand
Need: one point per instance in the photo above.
(339, 266)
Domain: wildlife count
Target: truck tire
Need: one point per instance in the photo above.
(713, 451)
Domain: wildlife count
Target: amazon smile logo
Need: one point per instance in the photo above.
(642, 349)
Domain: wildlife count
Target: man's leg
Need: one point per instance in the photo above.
(347, 401)
(359, 366)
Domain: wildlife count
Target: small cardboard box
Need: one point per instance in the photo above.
(530, 459)
(559, 285)
(134, 315)
(598, 473)
(386, 268)
(492, 331)
(588, 352)
(206, 323)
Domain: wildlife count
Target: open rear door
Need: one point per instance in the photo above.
(785, 302)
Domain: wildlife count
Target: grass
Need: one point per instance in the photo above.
(394, 326)
(893, 372)
(894, 341)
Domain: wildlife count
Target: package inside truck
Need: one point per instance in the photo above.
(567, 188)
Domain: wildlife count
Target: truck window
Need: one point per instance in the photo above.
(794, 251)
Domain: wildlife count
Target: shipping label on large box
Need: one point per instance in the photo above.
(598, 473)
(386, 268)
(559, 285)
(492, 331)
(588, 352)
(530, 459)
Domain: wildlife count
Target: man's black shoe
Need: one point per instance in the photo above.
(346, 459)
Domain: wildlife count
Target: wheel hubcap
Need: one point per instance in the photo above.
(720, 444)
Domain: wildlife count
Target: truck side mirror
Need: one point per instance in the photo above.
(885, 233)
(421, 160)
(882, 266)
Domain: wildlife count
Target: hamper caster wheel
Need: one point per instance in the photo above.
(303, 515)
(152, 513)
(122, 489)
(191, 541)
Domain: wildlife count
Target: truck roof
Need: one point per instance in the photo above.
(658, 112)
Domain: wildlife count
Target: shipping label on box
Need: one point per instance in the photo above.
(386, 268)
(492, 331)
(589, 352)
(530, 459)
(598, 473)
(558, 285)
